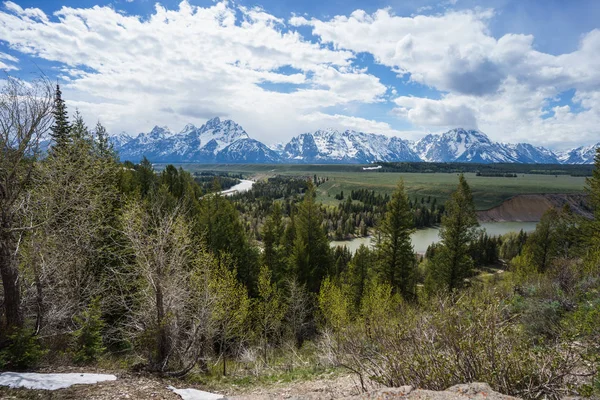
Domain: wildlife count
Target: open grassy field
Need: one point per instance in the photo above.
(487, 191)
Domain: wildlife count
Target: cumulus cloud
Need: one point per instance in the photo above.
(189, 64)
(502, 86)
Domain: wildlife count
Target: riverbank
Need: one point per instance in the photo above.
(531, 207)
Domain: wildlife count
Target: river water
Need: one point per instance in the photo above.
(422, 238)
(241, 187)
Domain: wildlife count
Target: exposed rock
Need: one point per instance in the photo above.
(458, 392)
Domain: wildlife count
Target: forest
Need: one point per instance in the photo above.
(109, 263)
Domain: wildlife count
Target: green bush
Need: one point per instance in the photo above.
(22, 351)
(465, 337)
(88, 337)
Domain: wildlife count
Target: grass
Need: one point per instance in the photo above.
(487, 191)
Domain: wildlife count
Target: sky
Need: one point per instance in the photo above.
(518, 70)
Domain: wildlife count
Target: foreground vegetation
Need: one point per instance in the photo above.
(103, 262)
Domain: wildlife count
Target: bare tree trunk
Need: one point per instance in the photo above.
(163, 337)
(10, 280)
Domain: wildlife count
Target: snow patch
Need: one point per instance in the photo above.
(30, 380)
(195, 394)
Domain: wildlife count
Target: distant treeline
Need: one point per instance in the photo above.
(488, 169)
(497, 174)
(207, 179)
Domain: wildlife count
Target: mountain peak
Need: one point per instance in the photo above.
(226, 141)
(188, 128)
(213, 122)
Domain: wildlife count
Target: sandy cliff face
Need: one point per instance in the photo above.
(531, 207)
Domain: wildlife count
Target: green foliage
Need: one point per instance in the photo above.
(378, 302)
(88, 344)
(274, 254)
(23, 350)
(224, 235)
(60, 129)
(360, 271)
(512, 245)
(452, 263)
(231, 308)
(334, 306)
(311, 256)
(268, 309)
(466, 338)
(396, 256)
(591, 228)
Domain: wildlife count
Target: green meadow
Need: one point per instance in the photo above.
(487, 191)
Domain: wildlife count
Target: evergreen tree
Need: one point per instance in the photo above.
(273, 255)
(452, 262)
(397, 262)
(88, 336)
(146, 177)
(224, 233)
(61, 128)
(359, 273)
(591, 228)
(79, 130)
(311, 256)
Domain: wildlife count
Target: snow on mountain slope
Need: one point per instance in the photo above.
(527, 153)
(332, 146)
(226, 141)
(460, 145)
(247, 151)
(580, 155)
(192, 144)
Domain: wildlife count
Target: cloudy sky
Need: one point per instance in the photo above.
(519, 70)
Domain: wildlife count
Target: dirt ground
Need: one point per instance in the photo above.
(134, 386)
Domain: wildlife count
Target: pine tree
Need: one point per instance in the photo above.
(224, 233)
(311, 255)
(359, 273)
(591, 228)
(79, 131)
(61, 128)
(273, 255)
(397, 259)
(452, 262)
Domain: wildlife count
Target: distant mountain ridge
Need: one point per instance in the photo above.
(225, 141)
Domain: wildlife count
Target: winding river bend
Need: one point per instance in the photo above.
(422, 238)
(241, 187)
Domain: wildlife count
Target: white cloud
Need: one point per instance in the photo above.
(192, 63)
(500, 85)
(189, 64)
(6, 62)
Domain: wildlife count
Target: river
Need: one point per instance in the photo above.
(241, 187)
(422, 238)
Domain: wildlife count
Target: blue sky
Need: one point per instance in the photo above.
(519, 70)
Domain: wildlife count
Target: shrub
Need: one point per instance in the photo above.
(22, 351)
(466, 337)
(88, 337)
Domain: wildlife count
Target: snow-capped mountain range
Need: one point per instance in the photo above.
(224, 141)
